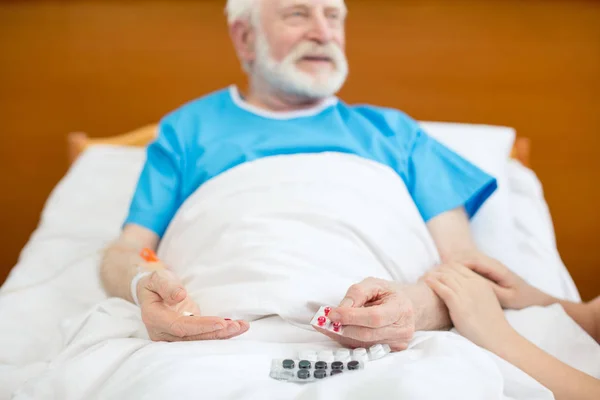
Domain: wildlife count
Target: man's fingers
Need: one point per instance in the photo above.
(232, 329)
(344, 341)
(377, 316)
(395, 345)
(327, 333)
(167, 287)
(191, 326)
(360, 293)
(378, 335)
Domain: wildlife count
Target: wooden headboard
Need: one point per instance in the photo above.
(79, 141)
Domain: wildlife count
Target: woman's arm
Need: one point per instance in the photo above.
(564, 382)
(477, 315)
(515, 293)
(586, 315)
(595, 306)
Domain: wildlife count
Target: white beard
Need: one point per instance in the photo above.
(284, 76)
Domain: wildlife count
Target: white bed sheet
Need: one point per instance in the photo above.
(56, 277)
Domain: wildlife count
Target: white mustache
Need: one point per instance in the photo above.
(309, 49)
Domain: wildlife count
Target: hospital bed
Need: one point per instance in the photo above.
(61, 338)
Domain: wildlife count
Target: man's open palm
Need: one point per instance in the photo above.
(165, 304)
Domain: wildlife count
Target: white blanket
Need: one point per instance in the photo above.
(284, 235)
(270, 241)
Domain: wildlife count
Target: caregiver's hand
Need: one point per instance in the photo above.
(474, 308)
(512, 291)
(477, 315)
(163, 300)
(374, 311)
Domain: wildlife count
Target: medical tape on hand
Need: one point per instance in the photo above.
(134, 282)
(149, 256)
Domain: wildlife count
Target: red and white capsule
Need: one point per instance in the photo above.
(321, 320)
(337, 326)
(326, 310)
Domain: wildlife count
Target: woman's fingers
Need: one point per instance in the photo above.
(489, 269)
(447, 295)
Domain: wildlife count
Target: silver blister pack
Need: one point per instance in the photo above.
(297, 370)
(310, 366)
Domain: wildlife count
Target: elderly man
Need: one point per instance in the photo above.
(293, 54)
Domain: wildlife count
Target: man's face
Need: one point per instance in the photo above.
(300, 44)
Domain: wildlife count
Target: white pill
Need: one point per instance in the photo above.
(342, 353)
(326, 355)
(362, 359)
(360, 355)
(377, 351)
(187, 314)
(308, 355)
(360, 352)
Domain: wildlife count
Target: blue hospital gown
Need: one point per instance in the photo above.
(205, 137)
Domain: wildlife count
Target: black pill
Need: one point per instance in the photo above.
(337, 365)
(336, 371)
(353, 365)
(321, 365)
(288, 364)
(320, 373)
(304, 364)
(303, 374)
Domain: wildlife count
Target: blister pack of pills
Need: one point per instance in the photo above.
(321, 319)
(295, 370)
(310, 366)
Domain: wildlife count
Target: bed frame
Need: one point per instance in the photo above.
(79, 142)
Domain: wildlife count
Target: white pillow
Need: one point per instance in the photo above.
(541, 263)
(488, 147)
(84, 212)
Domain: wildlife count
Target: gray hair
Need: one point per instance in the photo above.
(240, 10)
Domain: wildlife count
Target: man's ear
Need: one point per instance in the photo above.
(243, 38)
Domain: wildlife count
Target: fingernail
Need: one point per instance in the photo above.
(174, 296)
(334, 316)
(232, 328)
(347, 302)
(218, 327)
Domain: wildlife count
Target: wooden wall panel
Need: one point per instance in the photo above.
(111, 66)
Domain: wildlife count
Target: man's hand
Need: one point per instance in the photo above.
(164, 301)
(474, 308)
(512, 291)
(374, 311)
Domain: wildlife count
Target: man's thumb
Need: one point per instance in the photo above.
(168, 288)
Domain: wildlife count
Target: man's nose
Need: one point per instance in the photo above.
(320, 31)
